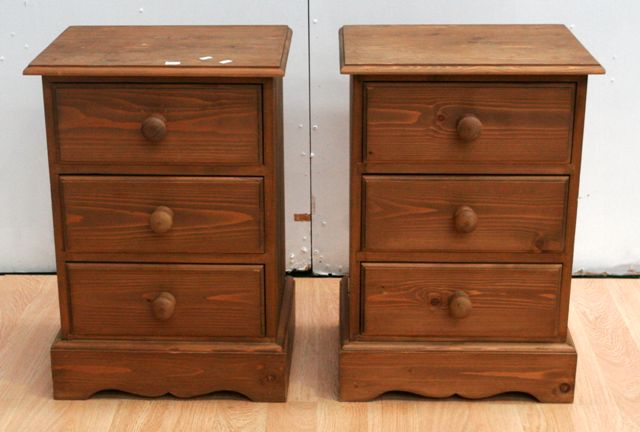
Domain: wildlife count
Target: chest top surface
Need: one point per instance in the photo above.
(463, 49)
(171, 51)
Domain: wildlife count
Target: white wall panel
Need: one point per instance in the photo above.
(27, 26)
(607, 235)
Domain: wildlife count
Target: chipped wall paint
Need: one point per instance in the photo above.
(26, 232)
(607, 238)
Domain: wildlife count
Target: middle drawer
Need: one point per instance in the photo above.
(120, 214)
(464, 213)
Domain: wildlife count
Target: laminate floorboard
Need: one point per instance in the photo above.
(604, 321)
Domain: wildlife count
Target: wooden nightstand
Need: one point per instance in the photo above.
(166, 161)
(465, 160)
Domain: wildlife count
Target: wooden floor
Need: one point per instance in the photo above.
(605, 323)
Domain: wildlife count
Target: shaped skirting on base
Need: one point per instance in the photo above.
(259, 371)
(442, 369)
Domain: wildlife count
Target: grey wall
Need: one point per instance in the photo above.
(315, 94)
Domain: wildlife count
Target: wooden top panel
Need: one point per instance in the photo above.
(145, 51)
(463, 49)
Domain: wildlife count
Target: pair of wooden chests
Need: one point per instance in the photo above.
(166, 165)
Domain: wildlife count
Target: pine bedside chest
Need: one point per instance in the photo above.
(166, 166)
(465, 159)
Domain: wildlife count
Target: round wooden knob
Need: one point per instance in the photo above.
(469, 127)
(154, 127)
(163, 306)
(465, 219)
(460, 305)
(161, 220)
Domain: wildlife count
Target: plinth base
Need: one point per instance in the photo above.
(259, 371)
(442, 369)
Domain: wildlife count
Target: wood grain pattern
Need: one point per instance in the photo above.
(168, 174)
(465, 148)
(257, 376)
(609, 317)
(442, 369)
(572, 203)
(82, 368)
(509, 301)
(271, 171)
(111, 214)
(604, 323)
(114, 300)
(463, 49)
(395, 208)
(101, 123)
(415, 213)
(274, 234)
(356, 101)
(143, 50)
(471, 373)
(521, 123)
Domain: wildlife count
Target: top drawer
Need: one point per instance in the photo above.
(158, 124)
(503, 123)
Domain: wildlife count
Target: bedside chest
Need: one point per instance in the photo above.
(465, 160)
(166, 161)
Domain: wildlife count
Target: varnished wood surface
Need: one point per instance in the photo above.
(472, 373)
(115, 300)
(605, 318)
(417, 122)
(113, 100)
(211, 214)
(472, 370)
(271, 171)
(183, 368)
(143, 51)
(205, 124)
(509, 301)
(360, 166)
(492, 62)
(463, 49)
(416, 213)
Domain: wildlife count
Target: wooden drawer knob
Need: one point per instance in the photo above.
(161, 220)
(163, 306)
(154, 127)
(460, 305)
(465, 219)
(469, 128)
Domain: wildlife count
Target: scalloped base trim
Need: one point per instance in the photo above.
(472, 370)
(367, 374)
(259, 371)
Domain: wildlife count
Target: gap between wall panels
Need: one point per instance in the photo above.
(329, 164)
(311, 197)
(299, 235)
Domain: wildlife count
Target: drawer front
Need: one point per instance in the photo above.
(153, 300)
(461, 300)
(203, 124)
(520, 123)
(464, 213)
(162, 214)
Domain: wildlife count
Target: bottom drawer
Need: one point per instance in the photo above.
(168, 300)
(488, 301)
